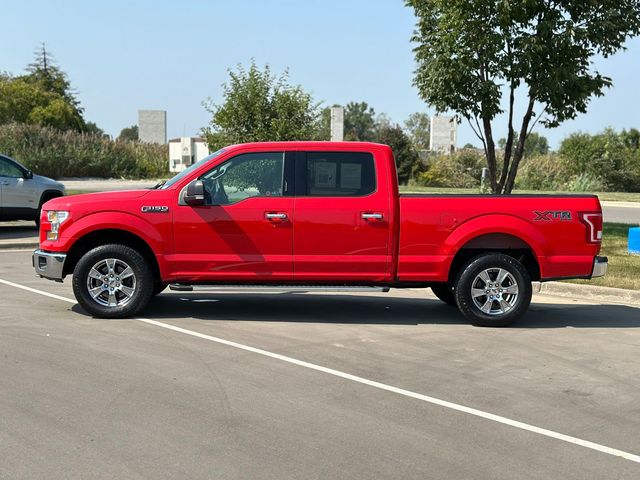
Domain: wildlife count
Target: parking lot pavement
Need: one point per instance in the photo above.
(82, 397)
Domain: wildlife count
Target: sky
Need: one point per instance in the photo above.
(122, 56)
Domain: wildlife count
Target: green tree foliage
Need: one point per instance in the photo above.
(472, 52)
(406, 156)
(258, 107)
(43, 96)
(535, 144)
(611, 157)
(56, 154)
(418, 127)
(359, 122)
(461, 169)
(129, 133)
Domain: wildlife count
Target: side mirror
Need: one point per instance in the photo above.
(195, 193)
(28, 174)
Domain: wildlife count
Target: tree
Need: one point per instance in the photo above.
(535, 144)
(472, 52)
(406, 156)
(418, 126)
(258, 107)
(129, 133)
(92, 129)
(42, 96)
(359, 122)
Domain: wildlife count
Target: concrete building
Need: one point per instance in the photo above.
(443, 135)
(152, 126)
(185, 151)
(337, 124)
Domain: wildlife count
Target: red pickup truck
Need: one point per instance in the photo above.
(315, 215)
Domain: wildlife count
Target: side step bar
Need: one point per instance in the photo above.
(181, 287)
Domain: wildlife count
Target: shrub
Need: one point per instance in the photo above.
(58, 154)
(543, 172)
(462, 169)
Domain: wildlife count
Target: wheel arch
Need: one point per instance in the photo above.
(496, 242)
(47, 195)
(110, 236)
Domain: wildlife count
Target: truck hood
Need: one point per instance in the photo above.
(94, 202)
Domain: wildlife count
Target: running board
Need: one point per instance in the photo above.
(181, 287)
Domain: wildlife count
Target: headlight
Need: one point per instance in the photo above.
(55, 218)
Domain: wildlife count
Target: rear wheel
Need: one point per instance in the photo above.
(444, 292)
(493, 290)
(112, 281)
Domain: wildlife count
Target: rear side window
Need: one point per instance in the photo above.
(340, 174)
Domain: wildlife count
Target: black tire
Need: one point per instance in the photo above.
(496, 313)
(158, 288)
(444, 292)
(139, 281)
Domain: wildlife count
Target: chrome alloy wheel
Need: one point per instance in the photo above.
(111, 282)
(494, 291)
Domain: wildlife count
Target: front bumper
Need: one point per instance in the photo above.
(49, 265)
(600, 265)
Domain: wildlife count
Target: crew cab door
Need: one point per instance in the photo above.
(342, 219)
(244, 230)
(16, 199)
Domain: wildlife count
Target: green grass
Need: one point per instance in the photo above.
(605, 196)
(624, 269)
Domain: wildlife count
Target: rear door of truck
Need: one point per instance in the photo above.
(342, 217)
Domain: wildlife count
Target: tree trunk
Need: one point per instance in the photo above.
(524, 130)
(491, 154)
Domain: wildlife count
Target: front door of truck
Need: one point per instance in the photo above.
(244, 231)
(342, 225)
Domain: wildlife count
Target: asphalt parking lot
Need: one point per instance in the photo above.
(279, 386)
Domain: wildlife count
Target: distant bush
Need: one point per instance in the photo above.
(611, 158)
(543, 172)
(462, 169)
(58, 154)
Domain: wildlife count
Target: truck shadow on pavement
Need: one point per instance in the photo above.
(354, 309)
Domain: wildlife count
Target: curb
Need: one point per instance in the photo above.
(589, 292)
(8, 245)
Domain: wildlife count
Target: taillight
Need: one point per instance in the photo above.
(593, 222)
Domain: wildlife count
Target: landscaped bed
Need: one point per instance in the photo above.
(624, 269)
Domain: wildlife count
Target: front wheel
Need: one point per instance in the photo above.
(112, 281)
(493, 290)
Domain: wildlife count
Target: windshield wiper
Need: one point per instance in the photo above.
(158, 185)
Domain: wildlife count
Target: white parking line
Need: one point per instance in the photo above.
(370, 383)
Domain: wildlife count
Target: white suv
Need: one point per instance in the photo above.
(22, 193)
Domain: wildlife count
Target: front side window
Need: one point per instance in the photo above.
(9, 169)
(245, 176)
(340, 174)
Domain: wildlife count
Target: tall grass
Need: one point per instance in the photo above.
(58, 154)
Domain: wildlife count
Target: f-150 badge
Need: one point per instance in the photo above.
(154, 209)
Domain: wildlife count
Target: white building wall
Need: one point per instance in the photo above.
(443, 136)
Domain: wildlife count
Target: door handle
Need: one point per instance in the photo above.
(372, 216)
(275, 216)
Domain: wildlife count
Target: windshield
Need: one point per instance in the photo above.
(187, 171)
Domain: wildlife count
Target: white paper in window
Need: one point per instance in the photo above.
(351, 176)
(325, 175)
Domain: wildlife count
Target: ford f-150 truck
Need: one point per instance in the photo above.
(315, 215)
